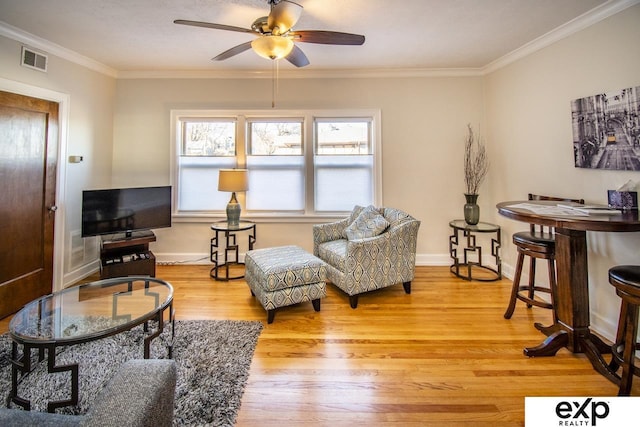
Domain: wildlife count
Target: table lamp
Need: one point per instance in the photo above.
(233, 180)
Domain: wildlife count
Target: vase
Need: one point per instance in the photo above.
(471, 209)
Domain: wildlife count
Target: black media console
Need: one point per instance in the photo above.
(127, 255)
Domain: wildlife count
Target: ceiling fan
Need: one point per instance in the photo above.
(276, 35)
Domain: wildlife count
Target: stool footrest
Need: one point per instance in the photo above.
(536, 302)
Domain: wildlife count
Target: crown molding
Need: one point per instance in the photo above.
(579, 23)
(303, 74)
(587, 19)
(41, 44)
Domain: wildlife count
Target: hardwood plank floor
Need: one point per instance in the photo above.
(442, 356)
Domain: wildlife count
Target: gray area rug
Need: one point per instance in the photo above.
(213, 358)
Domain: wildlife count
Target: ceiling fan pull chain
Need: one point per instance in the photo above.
(274, 82)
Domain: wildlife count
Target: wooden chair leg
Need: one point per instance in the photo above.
(515, 287)
(353, 301)
(628, 356)
(407, 287)
(532, 279)
(271, 314)
(553, 287)
(316, 304)
(614, 365)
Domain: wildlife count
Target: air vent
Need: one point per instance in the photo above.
(33, 59)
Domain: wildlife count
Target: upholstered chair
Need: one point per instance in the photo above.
(371, 249)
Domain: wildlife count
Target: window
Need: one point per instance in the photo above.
(276, 165)
(206, 146)
(300, 163)
(343, 164)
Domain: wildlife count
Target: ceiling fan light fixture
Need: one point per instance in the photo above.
(272, 47)
(284, 15)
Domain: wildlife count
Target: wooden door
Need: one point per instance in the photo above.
(28, 154)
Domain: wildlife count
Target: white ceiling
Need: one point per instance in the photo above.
(139, 35)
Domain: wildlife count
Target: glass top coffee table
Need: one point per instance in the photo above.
(81, 314)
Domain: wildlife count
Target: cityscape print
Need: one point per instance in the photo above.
(606, 130)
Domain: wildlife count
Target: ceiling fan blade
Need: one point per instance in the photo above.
(327, 37)
(297, 57)
(284, 16)
(233, 51)
(212, 25)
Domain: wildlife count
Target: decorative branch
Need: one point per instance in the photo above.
(476, 162)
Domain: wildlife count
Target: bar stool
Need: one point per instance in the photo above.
(626, 280)
(537, 243)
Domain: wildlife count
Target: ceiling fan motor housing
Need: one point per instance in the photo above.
(261, 26)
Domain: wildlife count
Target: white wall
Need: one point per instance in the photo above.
(530, 134)
(423, 128)
(89, 133)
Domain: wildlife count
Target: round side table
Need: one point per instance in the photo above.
(472, 251)
(229, 251)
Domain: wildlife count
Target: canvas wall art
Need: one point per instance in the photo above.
(606, 130)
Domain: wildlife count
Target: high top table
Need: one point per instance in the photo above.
(571, 301)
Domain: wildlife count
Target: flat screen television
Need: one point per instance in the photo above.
(125, 210)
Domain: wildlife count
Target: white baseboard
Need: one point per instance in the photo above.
(604, 327)
(433, 260)
(203, 258)
(80, 273)
(182, 258)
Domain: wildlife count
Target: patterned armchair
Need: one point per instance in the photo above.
(372, 249)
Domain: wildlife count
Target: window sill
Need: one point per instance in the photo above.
(261, 219)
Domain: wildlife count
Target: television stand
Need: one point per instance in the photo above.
(127, 254)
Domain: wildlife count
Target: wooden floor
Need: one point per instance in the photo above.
(442, 356)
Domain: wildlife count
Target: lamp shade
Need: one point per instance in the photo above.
(272, 47)
(233, 180)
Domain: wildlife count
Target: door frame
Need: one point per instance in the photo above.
(63, 100)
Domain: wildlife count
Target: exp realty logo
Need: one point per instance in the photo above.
(580, 411)
(585, 413)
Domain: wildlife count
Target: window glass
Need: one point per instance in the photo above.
(340, 137)
(209, 138)
(198, 183)
(275, 138)
(343, 164)
(206, 147)
(276, 165)
(343, 182)
(276, 183)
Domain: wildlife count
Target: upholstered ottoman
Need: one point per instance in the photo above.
(283, 276)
